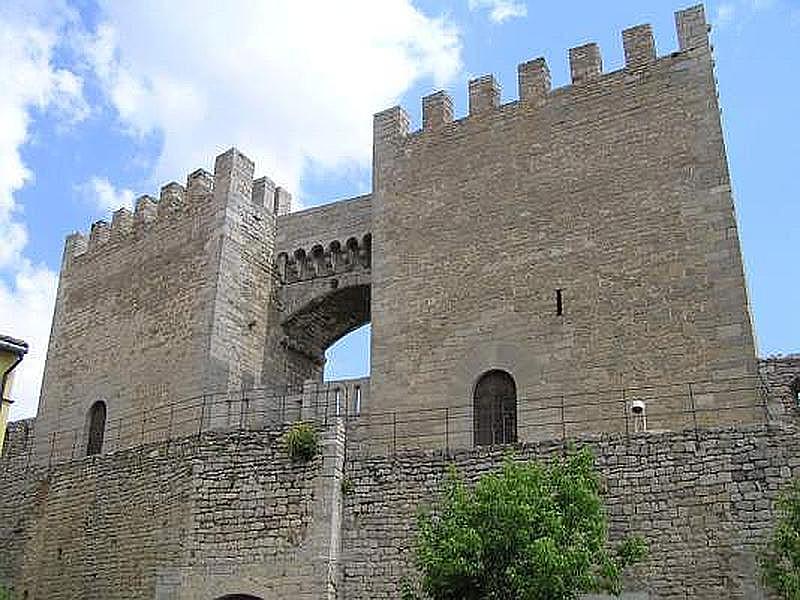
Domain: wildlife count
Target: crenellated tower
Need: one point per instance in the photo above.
(162, 304)
(578, 240)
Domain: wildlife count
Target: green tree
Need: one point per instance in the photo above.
(528, 531)
(780, 562)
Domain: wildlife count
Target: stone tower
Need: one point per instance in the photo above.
(161, 304)
(581, 239)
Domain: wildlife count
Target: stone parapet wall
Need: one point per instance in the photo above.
(229, 512)
(18, 441)
(781, 376)
(704, 504)
(176, 520)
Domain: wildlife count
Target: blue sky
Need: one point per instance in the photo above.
(108, 100)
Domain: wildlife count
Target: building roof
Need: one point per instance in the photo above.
(10, 344)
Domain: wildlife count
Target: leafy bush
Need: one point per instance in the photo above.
(302, 441)
(347, 486)
(527, 531)
(780, 561)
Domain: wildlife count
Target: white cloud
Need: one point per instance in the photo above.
(725, 13)
(500, 10)
(738, 11)
(31, 82)
(289, 83)
(101, 194)
(26, 309)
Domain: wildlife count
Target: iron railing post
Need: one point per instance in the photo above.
(202, 417)
(625, 414)
(447, 430)
(169, 426)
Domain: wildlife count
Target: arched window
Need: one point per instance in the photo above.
(97, 428)
(495, 409)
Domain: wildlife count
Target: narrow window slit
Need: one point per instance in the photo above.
(559, 303)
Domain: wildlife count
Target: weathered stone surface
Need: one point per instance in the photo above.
(582, 239)
(188, 519)
(230, 513)
(703, 503)
(615, 191)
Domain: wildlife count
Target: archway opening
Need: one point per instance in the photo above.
(96, 428)
(318, 324)
(348, 357)
(238, 597)
(495, 409)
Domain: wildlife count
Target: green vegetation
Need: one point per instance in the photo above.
(302, 441)
(347, 486)
(528, 531)
(780, 562)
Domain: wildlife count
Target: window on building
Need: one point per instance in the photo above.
(97, 428)
(495, 409)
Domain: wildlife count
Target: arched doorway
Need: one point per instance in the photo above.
(96, 429)
(495, 409)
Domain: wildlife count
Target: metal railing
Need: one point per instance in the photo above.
(448, 425)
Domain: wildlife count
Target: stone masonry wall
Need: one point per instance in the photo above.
(704, 504)
(160, 305)
(184, 520)
(229, 513)
(614, 190)
(322, 225)
(19, 438)
(781, 374)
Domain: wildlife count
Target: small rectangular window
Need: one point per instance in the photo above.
(559, 303)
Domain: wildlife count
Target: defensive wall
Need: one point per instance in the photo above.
(581, 240)
(228, 512)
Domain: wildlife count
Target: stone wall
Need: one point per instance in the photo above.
(781, 374)
(196, 518)
(230, 513)
(19, 438)
(614, 190)
(162, 304)
(337, 221)
(703, 503)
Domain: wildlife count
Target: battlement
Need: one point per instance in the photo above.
(177, 202)
(534, 82)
